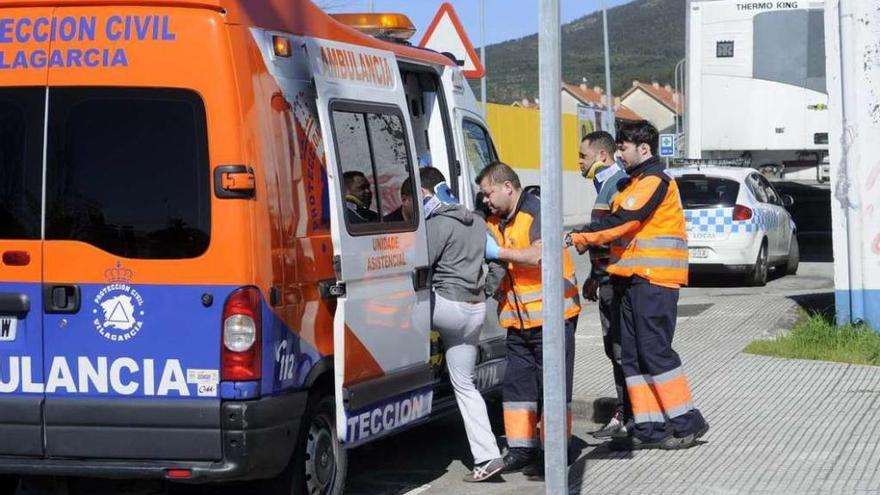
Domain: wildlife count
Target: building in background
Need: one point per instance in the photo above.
(576, 98)
(659, 105)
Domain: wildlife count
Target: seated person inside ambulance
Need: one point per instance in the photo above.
(358, 198)
(404, 212)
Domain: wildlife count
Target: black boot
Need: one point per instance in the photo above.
(517, 458)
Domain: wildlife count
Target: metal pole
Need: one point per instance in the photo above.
(483, 55)
(370, 5)
(678, 67)
(555, 406)
(609, 100)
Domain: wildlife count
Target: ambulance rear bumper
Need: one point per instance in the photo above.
(258, 438)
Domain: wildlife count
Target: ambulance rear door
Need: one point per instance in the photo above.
(383, 377)
(141, 255)
(22, 114)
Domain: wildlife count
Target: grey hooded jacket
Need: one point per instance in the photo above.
(456, 249)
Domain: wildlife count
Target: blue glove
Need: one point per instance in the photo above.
(493, 250)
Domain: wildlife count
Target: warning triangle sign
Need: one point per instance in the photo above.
(446, 34)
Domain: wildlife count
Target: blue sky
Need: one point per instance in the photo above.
(505, 19)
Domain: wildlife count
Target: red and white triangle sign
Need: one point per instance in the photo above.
(446, 34)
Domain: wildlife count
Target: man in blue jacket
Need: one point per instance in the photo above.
(596, 160)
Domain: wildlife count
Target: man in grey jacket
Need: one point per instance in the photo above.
(456, 246)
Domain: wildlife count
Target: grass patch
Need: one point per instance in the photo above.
(816, 337)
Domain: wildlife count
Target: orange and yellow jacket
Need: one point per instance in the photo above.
(646, 228)
(523, 305)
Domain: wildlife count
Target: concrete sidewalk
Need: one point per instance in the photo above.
(777, 426)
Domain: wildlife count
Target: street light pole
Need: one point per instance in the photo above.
(369, 5)
(555, 404)
(609, 100)
(483, 55)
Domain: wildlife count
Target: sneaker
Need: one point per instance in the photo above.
(690, 440)
(609, 430)
(635, 443)
(535, 470)
(516, 459)
(485, 471)
(624, 430)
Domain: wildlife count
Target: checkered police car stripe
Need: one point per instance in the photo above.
(720, 221)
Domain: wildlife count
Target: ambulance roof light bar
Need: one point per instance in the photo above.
(396, 27)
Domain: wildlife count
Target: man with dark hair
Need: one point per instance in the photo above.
(515, 228)
(596, 160)
(358, 198)
(649, 263)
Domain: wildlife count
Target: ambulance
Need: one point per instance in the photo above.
(206, 272)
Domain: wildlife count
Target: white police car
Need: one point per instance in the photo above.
(736, 222)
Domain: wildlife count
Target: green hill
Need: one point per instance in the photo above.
(646, 37)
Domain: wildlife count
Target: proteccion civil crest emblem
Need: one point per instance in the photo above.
(118, 307)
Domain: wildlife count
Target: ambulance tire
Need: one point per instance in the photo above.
(757, 276)
(320, 463)
(794, 256)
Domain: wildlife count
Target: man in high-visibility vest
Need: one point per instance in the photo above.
(648, 265)
(515, 238)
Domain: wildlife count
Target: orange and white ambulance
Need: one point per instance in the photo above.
(205, 273)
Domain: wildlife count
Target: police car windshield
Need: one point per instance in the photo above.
(700, 191)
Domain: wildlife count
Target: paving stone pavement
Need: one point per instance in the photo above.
(778, 426)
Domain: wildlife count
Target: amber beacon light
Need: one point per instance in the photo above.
(395, 26)
(281, 44)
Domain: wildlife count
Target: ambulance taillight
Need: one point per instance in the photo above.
(241, 336)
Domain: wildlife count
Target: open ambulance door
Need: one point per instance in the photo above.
(383, 377)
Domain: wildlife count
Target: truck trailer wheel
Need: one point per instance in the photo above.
(8, 484)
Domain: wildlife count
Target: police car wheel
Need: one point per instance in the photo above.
(794, 256)
(759, 273)
(325, 458)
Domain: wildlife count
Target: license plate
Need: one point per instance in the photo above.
(7, 328)
(699, 253)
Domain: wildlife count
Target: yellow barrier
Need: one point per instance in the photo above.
(517, 136)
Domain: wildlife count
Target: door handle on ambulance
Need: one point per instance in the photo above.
(61, 299)
(421, 277)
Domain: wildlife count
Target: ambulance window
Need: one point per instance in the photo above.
(21, 162)
(128, 171)
(478, 146)
(374, 158)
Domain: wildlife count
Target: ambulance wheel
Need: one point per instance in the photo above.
(758, 275)
(794, 256)
(321, 460)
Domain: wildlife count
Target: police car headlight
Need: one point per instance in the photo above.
(239, 333)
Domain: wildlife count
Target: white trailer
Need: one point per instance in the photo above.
(755, 86)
